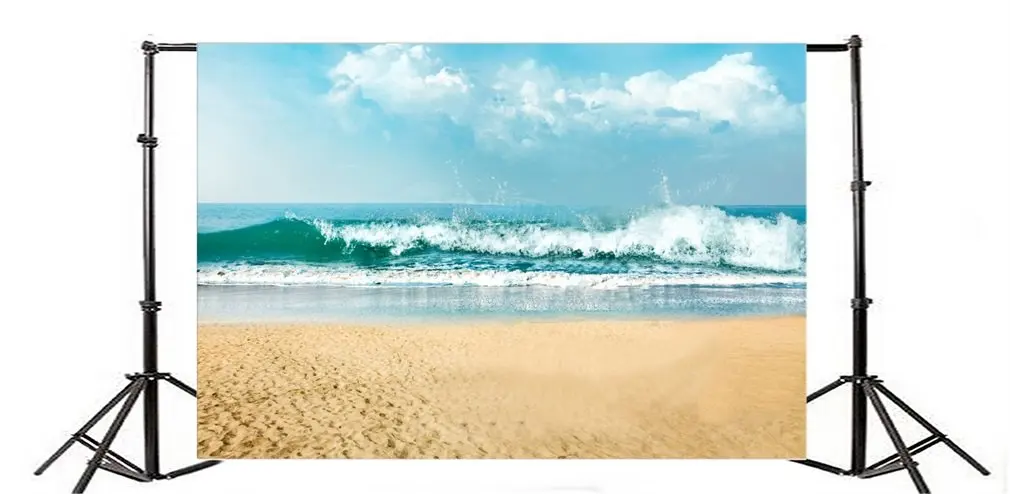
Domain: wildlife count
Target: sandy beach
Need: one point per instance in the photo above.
(710, 388)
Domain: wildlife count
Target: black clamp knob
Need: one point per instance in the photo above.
(147, 141)
(861, 303)
(859, 185)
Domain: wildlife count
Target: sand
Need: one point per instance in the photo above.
(714, 388)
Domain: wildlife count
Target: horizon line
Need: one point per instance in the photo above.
(322, 203)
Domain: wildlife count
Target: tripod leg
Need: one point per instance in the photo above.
(135, 389)
(181, 385)
(932, 429)
(825, 390)
(84, 430)
(196, 467)
(892, 431)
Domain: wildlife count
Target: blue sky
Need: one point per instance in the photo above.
(576, 124)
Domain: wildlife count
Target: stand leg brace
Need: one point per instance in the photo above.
(104, 457)
(902, 458)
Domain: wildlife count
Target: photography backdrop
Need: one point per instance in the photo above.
(101, 317)
(411, 250)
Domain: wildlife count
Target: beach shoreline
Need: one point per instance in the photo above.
(578, 387)
(439, 305)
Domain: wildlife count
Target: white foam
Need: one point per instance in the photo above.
(683, 234)
(339, 276)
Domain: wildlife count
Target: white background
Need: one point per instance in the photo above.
(936, 89)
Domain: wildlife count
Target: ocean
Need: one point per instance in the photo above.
(305, 262)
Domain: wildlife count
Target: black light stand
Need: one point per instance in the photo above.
(145, 382)
(869, 386)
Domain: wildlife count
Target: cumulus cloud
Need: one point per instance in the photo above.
(524, 101)
(400, 79)
(528, 101)
(734, 90)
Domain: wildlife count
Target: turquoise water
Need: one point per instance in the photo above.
(295, 261)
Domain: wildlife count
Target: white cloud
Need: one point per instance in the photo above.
(524, 103)
(401, 79)
(733, 90)
(736, 91)
(560, 96)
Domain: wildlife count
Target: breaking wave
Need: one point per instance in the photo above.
(667, 237)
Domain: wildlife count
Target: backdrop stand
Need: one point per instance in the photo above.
(868, 386)
(146, 382)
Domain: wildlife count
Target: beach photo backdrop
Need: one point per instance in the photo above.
(501, 250)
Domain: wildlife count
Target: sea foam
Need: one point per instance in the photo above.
(676, 234)
(243, 274)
